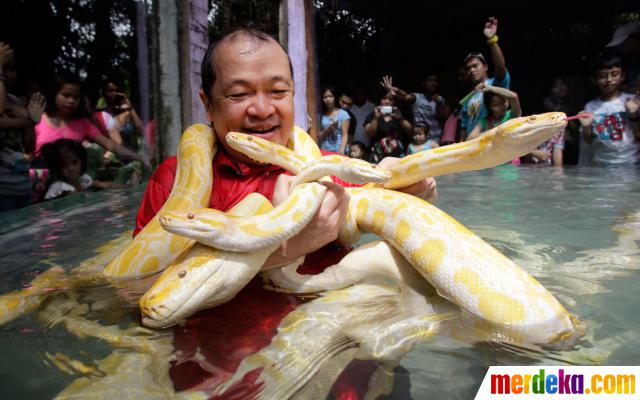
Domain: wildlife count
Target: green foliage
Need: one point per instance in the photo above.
(225, 14)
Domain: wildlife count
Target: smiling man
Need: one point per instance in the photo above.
(247, 86)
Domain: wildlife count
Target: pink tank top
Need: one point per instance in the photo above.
(77, 129)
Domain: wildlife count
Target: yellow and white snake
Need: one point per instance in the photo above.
(460, 265)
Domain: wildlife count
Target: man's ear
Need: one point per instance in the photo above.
(207, 105)
(593, 80)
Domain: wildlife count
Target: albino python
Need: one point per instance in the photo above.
(463, 268)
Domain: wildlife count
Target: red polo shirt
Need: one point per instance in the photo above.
(233, 181)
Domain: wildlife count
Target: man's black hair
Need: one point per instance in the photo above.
(207, 70)
(606, 60)
(475, 54)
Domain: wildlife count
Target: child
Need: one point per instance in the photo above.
(612, 122)
(357, 149)
(66, 118)
(420, 142)
(67, 161)
(502, 105)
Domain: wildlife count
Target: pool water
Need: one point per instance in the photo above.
(573, 229)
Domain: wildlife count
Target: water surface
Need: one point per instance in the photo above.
(563, 226)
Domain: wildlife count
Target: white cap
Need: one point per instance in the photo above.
(623, 32)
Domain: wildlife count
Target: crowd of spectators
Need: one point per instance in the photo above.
(53, 142)
(405, 122)
(56, 143)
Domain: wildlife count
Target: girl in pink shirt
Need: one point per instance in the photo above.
(66, 118)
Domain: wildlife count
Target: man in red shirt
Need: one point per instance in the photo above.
(247, 86)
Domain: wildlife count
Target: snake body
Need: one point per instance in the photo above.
(460, 265)
(153, 249)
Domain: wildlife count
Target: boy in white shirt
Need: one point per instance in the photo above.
(611, 124)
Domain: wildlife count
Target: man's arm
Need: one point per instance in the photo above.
(511, 96)
(499, 64)
(387, 83)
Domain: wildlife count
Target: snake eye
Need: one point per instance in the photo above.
(533, 118)
(190, 216)
(250, 138)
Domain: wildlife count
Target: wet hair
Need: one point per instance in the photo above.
(257, 36)
(606, 60)
(52, 155)
(56, 85)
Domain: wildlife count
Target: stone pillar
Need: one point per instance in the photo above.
(195, 40)
(301, 47)
(168, 107)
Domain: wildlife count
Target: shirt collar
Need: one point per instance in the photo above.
(224, 162)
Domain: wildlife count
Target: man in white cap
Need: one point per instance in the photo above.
(626, 39)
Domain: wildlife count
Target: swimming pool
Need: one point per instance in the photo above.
(573, 229)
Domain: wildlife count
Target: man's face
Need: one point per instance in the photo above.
(110, 91)
(252, 93)
(345, 102)
(476, 70)
(431, 84)
(609, 80)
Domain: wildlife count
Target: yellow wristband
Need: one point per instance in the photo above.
(493, 39)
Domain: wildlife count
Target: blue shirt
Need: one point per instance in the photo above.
(332, 140)
(474, 109)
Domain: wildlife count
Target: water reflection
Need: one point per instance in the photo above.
(576, 230)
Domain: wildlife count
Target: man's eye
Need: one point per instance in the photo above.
(237, 96)
(280, 93)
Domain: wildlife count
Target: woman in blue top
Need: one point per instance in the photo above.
(334, 125)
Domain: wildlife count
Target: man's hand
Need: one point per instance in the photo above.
(387, 83)
(490, 27)
(483, 87)
(323, 227)
(425, 189)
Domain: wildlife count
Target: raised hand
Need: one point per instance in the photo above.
(490, 27)
(36, 106)
(387, 83)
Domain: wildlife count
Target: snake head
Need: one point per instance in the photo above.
(198, 224)
(364, 172)
(255, 148)
(529, 132)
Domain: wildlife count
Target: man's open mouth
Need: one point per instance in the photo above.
(260, 130)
